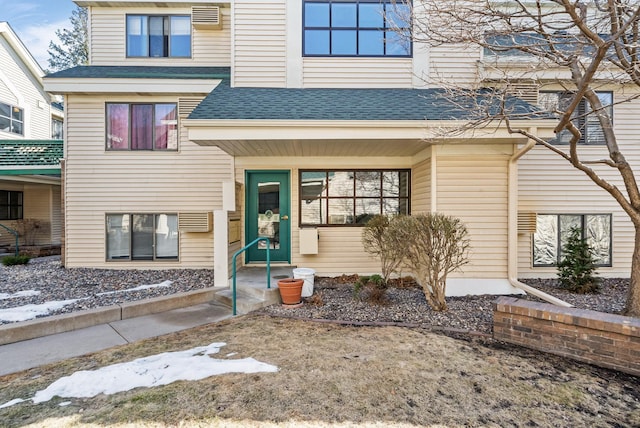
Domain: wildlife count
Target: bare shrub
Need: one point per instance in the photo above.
(378, 242)
(29, 229)
(372, 288)
(434, 245)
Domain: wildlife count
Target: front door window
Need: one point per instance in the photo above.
(269, 213)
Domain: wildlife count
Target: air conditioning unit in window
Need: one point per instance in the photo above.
(526, 222)
(195, 221)
(206, 17)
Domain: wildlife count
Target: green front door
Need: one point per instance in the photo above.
(268, 213)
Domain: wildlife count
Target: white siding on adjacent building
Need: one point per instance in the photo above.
(108, 39)
(100, 182)
(18, 87)
(260, 49)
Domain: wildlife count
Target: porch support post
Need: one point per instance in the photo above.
(220, 248)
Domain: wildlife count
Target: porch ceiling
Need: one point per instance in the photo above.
(340, 147)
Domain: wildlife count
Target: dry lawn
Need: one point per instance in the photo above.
(339, 376)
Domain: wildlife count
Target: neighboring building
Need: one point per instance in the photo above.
(29, 158)
(199, 127)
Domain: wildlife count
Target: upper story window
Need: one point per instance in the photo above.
(356, 28)
(142, 126)
(11, 119)
(158, 36)
(585, 119)
(11, 206)
(352, 197)
(57, 129)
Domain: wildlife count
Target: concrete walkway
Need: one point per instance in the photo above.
(26, 354)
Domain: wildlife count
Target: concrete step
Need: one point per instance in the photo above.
(247, 299)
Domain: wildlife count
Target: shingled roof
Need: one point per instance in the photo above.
(225, 102)
(141, 72)
(20, 157)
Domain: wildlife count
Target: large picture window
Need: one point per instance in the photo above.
(142, 127)
(553, 230)
(142, 236)
(356, 28)
(158, 36)
(11, 119)
(352, 197)
(586, 120)
(11, 205)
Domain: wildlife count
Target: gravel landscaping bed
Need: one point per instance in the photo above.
(92, 288)
(333, 298)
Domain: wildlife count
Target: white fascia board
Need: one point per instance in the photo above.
(118, 85)
(22, 51)
(202, 130)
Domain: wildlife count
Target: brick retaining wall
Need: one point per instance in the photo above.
(606, 340)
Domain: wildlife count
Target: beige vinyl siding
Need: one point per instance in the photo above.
(260, 50)
(100, 182)
(562, 189)
(357, 72)
(23, 90)
(56, 215)
(339, 248)
(453, 63)
(550, 185)
(108, 39)
(474, 188)
(421, 187)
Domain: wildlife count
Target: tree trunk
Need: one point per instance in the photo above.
(632, 307)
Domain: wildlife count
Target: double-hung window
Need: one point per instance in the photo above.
(57, 129)
(352, 197)
(356, 28)
(142, 126)
(158, 36)
(142, 236)
(11, 119)
(584, 118)
(553, 231)
(11, 205)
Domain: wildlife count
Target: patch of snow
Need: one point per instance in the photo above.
(25, 293)
(12, 403)
(166, 283)
(156, 370)
(28, 312)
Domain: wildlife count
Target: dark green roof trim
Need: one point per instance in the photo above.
(141, 72)
(25, 154)
(49, 173)
(226, 103)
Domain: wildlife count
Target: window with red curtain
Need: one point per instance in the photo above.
(166, 127)
(117, 126)
(142, 127)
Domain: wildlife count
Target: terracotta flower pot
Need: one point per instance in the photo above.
(290, 290)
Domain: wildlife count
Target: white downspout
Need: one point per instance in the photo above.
(512, 263)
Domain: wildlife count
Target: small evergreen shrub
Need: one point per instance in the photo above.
(15, 260)
(576, 271)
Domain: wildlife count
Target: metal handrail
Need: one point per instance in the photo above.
(14, 233)
(236, 254)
